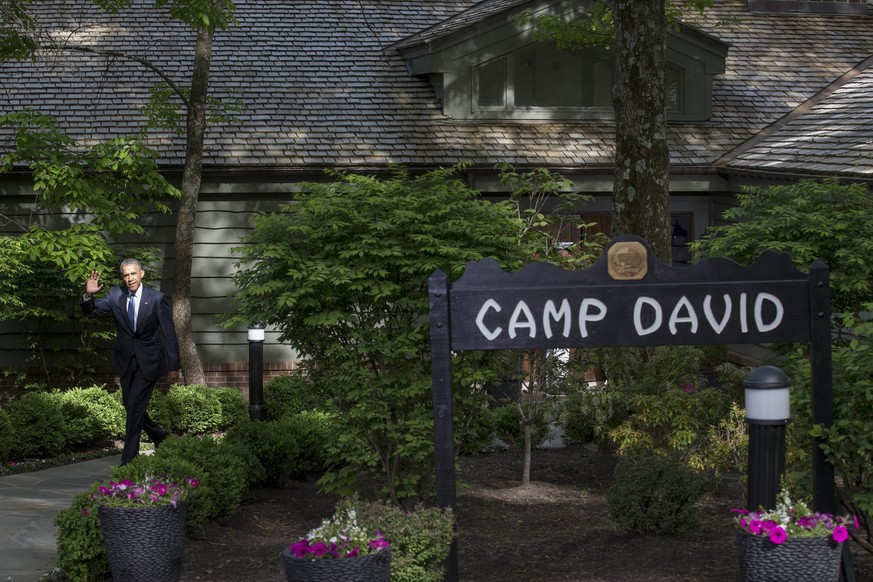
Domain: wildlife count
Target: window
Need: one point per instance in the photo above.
(541, 80)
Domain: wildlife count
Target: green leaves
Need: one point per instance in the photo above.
(809, 220)
(342, 272)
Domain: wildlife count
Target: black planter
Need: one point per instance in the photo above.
(144, 544)
(367, 568)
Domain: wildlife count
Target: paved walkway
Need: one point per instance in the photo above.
(28, 505)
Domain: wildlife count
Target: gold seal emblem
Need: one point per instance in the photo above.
(628, 261)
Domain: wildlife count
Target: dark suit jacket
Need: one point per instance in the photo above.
(154, 345)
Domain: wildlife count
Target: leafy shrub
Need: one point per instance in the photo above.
(674, 421)
(290, 394)
(81, 555)
(201, 499)
(193, 409)
(420, 540)
(91, 414)
(81, 426)
(588, 414)
(234, 407)
(509, 427)
(848, 442)
(341, 273)
(809, 220)
(653, 494)
(288, 448)
(218, 467)
(37, 425)
(6, 436)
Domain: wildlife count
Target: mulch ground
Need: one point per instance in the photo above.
(558, 528)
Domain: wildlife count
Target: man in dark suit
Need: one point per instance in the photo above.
(146, 347)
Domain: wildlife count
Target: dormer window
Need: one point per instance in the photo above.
(542, 79)
(483, 65)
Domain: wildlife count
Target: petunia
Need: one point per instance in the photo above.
(841, 534)
(778, 535)
(855, 522)
(318, 549)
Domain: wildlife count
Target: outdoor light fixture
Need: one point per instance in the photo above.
(768, 410)
(257, 410)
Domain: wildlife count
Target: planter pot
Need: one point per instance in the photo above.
(144, 543)
(813, 559)
(368, 568)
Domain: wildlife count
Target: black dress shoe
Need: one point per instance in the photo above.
(160, 439)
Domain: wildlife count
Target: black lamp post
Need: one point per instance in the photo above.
(257, 410)
(768, 410)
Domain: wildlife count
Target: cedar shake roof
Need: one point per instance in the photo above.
(325, 86)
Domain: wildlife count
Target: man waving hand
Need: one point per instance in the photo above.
(146, 347)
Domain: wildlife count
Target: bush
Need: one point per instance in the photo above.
(81, 555)
(37, 424)
(219, 468)
(674, 421)
(290, 394)
(509, 427)
(193, 409)
(234, 407)
(292, 447)
(81, 426)
(341, 273)
(91, 415)
(588, 414)
(420, 540)
(5, 436)
(653, 494)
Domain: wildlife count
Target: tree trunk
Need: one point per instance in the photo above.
(192, 367)
(641, 190)
(525, 472)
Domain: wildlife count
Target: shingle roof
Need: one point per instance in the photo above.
(324, 87)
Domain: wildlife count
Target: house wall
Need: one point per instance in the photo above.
(223, 219)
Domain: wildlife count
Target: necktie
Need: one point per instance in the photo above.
(131, 311)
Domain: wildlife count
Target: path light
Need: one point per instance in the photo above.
(257, 410)
(768, 410)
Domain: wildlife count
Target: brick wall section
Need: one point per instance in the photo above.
(232, 374)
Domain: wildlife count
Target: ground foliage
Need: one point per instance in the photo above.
(556, 529)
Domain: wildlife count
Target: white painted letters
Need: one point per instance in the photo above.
(682, 316)
(550, 313)
(480, 320)
(585, 317)
(521, 308)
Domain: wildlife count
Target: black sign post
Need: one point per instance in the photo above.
(628, 298)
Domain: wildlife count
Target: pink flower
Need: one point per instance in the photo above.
(841, 534)
(300, 549)
(318, 549)
(755, 526)
(855, 522)
(778, 535)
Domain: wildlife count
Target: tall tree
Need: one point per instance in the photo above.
(20, 38)
(640, 195)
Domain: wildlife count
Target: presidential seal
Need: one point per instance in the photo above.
(628, 261)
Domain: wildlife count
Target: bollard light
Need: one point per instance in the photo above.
(257, 410)
(768, 410)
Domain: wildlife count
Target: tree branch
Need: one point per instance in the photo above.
(122, 55)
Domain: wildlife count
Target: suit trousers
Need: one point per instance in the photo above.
(136, 392)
